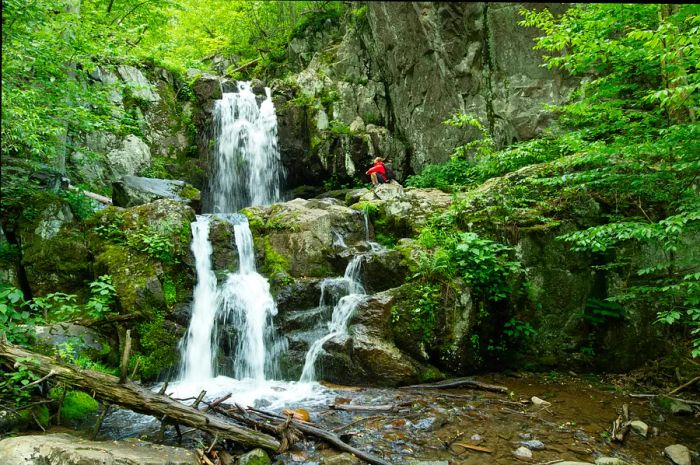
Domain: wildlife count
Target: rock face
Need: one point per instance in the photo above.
(370, 84)
(64, 449)
(130, 191)
(130, 158)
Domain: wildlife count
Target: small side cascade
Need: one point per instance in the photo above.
(343, 309)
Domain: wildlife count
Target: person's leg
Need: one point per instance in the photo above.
(373, 177)
(380, 179)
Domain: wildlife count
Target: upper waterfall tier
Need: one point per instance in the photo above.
(245, 166)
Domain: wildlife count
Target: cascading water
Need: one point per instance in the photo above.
(247, 305)
(342, 311)
(197, 347)
(246, 169)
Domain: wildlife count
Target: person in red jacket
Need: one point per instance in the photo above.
(377, 172)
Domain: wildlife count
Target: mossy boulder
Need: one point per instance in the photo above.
(298, 237)
(54, 251)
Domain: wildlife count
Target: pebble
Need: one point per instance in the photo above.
(428, 462)
(525, 436)
(609, 461)
(678, 453)
(523, 453)
(425, 423)
(533, 444)
(639, 427)
(476, 438)
(569, 462)
(537, 401)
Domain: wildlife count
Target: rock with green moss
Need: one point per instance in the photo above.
(54, 251)
(254, 457)
(77, 408)
(300, 236)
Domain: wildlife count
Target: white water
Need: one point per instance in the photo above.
(247, 169)
(197, 345)
(343, 309)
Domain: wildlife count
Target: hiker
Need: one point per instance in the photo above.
(377, 172)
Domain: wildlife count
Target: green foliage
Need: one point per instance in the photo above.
(158, 345)
(16, 321)
(481, 263)
(635, 120)
(421, 317)
(599, 312)
(12, 384)
(516, 330)
(339, 128)
(153, 243)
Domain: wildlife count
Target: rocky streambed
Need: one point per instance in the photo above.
(543, 419)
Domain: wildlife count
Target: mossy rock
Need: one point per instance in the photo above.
(77, 406)
(157, 346)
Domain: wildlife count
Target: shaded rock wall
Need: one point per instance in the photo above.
(399, 71)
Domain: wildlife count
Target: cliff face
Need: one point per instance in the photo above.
(402, 68)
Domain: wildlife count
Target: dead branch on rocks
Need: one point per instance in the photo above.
(288, 422)
(138, 398)
(459, 382)
(685, 385)
(367, 408)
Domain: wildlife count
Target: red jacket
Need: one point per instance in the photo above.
(378, 167)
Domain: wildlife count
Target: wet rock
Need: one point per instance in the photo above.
(609, 461)
(65, 449)
(533, 444)
(674, 406)
(207, 87)
(569, 462)
(522, 453)
(540, 402)
(639, 427)
(476, 438)
(525, 436)
(341, 459)
(131, 191)
(679, 454)
(254, 457)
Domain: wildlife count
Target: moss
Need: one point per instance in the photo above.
(430, 374)
(169, 291)
(274, 261)
(158, 347)
(76, 405)
(189, 192)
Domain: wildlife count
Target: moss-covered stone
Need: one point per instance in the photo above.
(76, 407)
(157, 351)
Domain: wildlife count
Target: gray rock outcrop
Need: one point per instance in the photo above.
(130, 191)
(64, 449)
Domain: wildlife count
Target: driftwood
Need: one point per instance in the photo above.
(92, 195)
(621, 425)
(366, 408)
(139, 399)
(316, 432)
(685, 385)
(459, 382)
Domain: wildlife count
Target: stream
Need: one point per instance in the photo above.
(434, 425)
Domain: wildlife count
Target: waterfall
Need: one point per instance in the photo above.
(196, 347)
(248, 307)
(246, 169)
(343, 309)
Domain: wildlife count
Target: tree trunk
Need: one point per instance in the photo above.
(139, 399)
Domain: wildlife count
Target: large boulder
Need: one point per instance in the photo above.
(65, 449)
(54, 251)
(130, 157)
(58, 334)
(299, 237)
(131, 191)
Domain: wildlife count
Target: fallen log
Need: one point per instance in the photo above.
(459, 382)
(139, 399)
